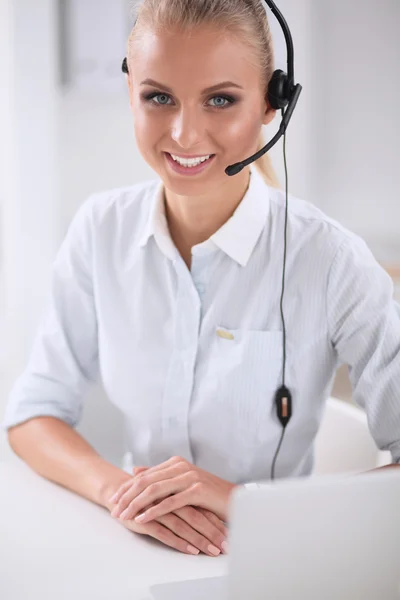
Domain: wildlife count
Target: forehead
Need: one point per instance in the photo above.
(205, 57)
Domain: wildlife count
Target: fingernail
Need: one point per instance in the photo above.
(124, 514)
(213, 550)
(192, 549)
(225, 547)
(140, 518)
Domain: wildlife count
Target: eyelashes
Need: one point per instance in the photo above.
(150, 98)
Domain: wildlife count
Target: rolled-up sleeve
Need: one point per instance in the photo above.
(64, 357)
(364, 323)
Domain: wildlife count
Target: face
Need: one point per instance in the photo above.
(175, 114)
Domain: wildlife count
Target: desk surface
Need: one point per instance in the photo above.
(57, 545)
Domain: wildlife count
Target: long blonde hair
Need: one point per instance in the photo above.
(246, 18)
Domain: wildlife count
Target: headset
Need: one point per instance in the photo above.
(283, 95)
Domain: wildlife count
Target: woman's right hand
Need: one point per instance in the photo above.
(189, 530)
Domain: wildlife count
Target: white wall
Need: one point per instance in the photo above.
(6, 144)
(30, 228)
(358, 117)
(29, 198)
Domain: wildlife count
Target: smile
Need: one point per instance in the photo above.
(189, 166)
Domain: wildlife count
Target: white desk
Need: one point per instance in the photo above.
(55, 545)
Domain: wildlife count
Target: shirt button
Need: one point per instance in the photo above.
(225, 334)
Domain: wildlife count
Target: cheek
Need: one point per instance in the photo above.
(242, 134)
(242, 125)
(147, 131)
(243, 130)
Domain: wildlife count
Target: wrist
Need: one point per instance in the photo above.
(108, 480)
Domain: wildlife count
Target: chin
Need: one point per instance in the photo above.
(189, 188)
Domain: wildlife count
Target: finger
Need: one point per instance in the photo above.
(171, 504)
(197, 521)
(175, 460)
(138, 470)
(150, 488)
(186, 532)
(167, 537)
(121, 491)
(135, 500)
(172, 462)
(214, 520)
(127, 484)
(128, 492)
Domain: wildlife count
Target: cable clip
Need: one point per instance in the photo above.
(283, 401)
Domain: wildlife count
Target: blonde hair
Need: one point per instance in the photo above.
(244, 18)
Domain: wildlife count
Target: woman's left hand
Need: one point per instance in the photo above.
(173, 484)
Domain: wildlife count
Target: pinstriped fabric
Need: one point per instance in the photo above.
(364, 326)
(193, 358)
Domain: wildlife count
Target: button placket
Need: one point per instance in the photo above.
(200, 264)
(179, 384)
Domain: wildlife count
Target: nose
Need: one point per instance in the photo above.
(188, 129)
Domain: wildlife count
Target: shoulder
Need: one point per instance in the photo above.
(110, 211)
(305, 215)
(314, 230)
(326, 246)
(123, 202)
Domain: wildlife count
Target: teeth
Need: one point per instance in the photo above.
(190, 162)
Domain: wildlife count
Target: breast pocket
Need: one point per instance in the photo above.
(247, 369)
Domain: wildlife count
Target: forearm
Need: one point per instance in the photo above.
(57, 452)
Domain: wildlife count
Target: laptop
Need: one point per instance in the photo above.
(330, 538)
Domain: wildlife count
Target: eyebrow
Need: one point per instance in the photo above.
(218, 86)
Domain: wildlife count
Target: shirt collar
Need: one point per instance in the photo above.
(157, 225)
(237, 237)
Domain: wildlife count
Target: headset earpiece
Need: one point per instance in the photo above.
(278, 93)
(125, 66)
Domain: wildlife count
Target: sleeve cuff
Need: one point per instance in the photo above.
(19, 417)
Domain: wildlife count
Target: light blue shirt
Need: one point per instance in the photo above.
(193, 358)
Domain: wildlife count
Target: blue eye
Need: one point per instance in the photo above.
(228, 99)
(152, 96)
(152, 99)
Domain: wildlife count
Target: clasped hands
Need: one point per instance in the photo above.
(177, 503)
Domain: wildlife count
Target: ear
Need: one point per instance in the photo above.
(269, 114)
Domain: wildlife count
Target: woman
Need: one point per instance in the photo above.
(169, 290)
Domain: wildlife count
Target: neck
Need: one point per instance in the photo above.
(193, 219)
